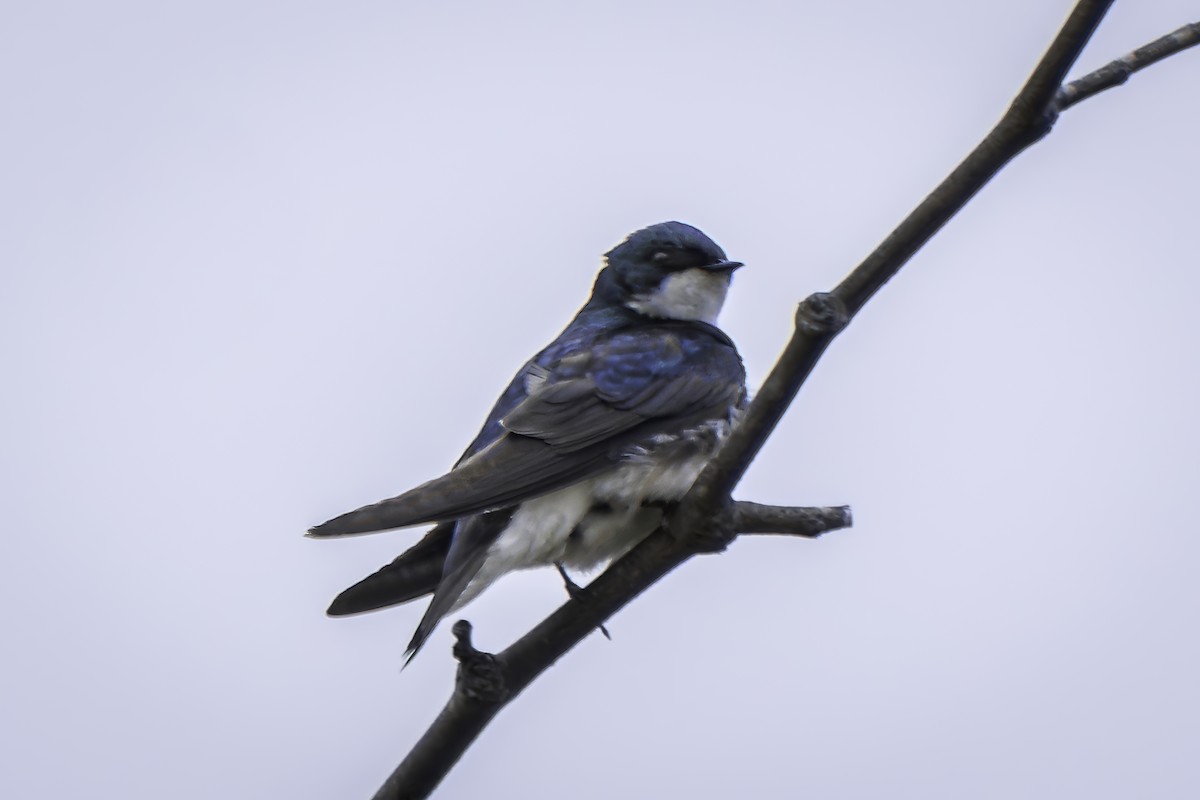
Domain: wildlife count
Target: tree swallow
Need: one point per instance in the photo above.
(596, 434)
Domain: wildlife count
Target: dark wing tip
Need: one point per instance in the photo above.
(338, 526)
(327, 531)
(381, 516)
(331, 528)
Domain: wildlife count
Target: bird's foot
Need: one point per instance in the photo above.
(574, 590)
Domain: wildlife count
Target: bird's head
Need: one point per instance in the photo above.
(667, 271)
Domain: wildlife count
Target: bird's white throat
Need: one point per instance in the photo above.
(692, 294)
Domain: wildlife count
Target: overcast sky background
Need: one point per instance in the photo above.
(267, 262)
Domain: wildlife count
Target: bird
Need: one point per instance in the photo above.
(590, 444)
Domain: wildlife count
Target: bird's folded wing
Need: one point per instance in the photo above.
(574, 424)
(511, 469)
(629, 382)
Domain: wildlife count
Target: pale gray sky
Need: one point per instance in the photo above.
(265, 262)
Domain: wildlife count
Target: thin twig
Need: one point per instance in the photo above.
(755, 518)
(1117, 72)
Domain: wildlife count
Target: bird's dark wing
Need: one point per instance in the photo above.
(589, 405)
(628, 380)
(511, 469)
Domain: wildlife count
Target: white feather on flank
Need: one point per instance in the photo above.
(693, 294)
(565, 526)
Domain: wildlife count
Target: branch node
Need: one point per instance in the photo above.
(480, 676)
(704, 533)
(822, 314)
(1030, 123)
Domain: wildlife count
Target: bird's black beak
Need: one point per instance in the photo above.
(724, 266)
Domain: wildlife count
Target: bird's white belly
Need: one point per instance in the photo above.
(590, 523)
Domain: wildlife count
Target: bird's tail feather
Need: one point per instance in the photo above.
(414, 573)
(443, 602)
(473, 539)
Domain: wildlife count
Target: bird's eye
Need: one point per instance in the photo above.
(659, 256)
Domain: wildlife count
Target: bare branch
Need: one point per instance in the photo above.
(479, 693)
(818, 319)
(487, 683)
(1028, 119)
(1117, 72)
